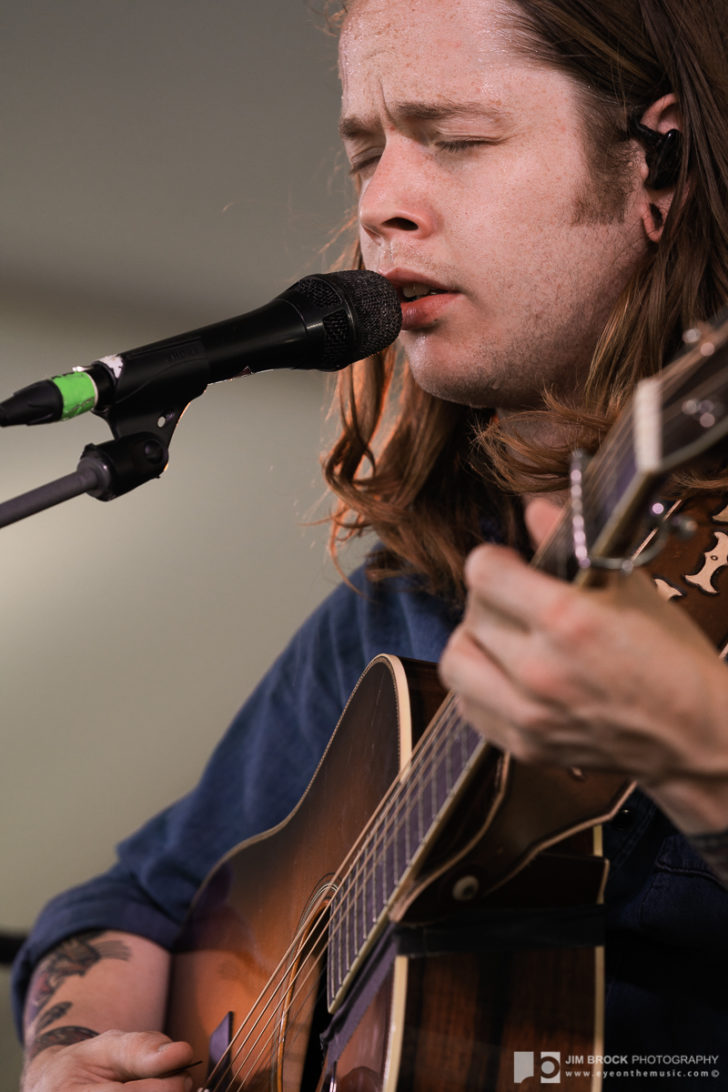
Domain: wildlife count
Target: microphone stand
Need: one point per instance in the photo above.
(104, 471)
(142, 426)
(142, 420)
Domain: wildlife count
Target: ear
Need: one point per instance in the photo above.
(660, 118)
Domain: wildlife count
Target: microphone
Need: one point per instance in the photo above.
(323, 322)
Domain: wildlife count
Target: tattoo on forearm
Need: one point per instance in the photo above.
(58, 1037)
(55, 1013)
(75, 956)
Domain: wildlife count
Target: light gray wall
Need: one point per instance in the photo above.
(167, 163)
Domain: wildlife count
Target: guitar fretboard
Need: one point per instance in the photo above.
(400, 835)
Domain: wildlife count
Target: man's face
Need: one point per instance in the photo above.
(474, 181)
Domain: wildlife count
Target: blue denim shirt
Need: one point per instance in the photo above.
(667, 916)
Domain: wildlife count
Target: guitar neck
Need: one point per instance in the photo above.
(400, 837)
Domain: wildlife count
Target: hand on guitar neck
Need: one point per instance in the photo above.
(612, 678)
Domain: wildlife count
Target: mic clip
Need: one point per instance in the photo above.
(143, 416)
(121, 465)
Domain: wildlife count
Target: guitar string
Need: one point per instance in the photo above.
(421, 774)
(438, 730)
(312, 955)
(298, 979)
(293, 981)
(443, 726)
(602, 469)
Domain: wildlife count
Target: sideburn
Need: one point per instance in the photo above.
(610, 157)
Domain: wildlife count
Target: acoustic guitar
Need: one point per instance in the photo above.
(429, 918)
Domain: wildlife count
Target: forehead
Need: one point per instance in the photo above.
(407, 47)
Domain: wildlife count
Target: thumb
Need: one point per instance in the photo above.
(166, 1055)
(136, 1054)
(541, 517)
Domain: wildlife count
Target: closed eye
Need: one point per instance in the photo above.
(463, 145)
(365, 161)
(358, 165)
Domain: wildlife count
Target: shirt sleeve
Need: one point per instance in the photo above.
(256, 774)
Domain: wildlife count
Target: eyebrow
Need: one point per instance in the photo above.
(352, 126)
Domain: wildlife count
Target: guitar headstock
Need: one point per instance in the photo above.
(681, 413)
(675, 417)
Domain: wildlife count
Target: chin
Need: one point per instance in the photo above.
(448, 385)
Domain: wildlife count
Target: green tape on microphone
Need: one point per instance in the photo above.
(78, 392)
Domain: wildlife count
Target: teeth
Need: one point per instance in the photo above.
(416, 289)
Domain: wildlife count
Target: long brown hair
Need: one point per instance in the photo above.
(422, 472)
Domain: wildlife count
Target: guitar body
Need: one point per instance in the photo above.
(446, 1014)
(241, 933)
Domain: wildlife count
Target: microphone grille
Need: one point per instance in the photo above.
(361, 314)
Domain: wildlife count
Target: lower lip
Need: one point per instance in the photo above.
(426, 311)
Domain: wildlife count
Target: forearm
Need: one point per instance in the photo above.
(92, 983)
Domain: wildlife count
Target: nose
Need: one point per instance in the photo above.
(396, 199)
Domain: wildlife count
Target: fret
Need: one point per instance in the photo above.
(406, 827)
(389, 853)
(344, 953)
(355, 900)
(380, 874)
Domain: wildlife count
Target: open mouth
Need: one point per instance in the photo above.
(417, 290)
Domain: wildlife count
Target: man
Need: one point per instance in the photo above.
(522, 182)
